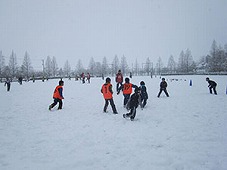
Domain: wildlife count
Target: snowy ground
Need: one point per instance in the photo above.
(186, 131)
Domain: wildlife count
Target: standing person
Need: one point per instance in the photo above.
(107, 92)
(8, 83)
(133, 104)
(127, 90)
(88, 77)
(212, 85)
(83, 78)
(58, 96)
(163, 86)
(143, 94)
(119, 79)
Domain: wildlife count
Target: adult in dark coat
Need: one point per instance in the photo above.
(212, 85)
(163, 86)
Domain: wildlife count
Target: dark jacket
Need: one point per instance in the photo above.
(144, 94)
(163, 85)
(134, 101)
(212, 83)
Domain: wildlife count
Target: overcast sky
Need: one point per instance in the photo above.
(81, 29)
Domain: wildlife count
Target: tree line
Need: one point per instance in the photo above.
(214, 62)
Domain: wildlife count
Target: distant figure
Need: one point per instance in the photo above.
(127, 90)
(20, 79)
(130, 75)
(83, 78)
(8, 83)
(163, 86)
(143, 94)
(58, 96)
(133, 104)
(88, 77)
(212, 85)
(33, 78)
(119, 79)
(107, 92)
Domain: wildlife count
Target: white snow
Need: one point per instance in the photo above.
(186, 131)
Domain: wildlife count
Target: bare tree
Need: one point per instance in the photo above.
(171, 65)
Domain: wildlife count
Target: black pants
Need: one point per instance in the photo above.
(8, 87)
(118, 86)
(112, 105)
(214, 89)
(56, 101)
(132, 113)
(143, 102)
(126, 98)
(164, 91)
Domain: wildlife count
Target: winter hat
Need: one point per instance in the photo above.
(142, 83)
(108, 80)
(127, 80)
(137, 89)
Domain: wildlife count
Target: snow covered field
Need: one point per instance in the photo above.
(187, 131)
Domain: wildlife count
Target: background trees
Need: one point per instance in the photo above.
(213, 63)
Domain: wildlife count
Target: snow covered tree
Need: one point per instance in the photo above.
(13, 65)
(79, 67)
(124, 65)
(115, 64)
(159, 66)
(91, 66)
(147, 66)
(54, 66)
(2, 65)
(26, 67)
(48, 68)
(67, 68)
(171, 65)
(105, 66)
(136, 67)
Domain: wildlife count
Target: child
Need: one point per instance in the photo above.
(58, 96)
(119, 79)
(212, 85)
(108, 95)
(7, 83)
(127, 90)
(144, 95)
(133, 104)
(163, 86)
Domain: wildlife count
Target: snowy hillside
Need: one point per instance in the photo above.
(186, 131)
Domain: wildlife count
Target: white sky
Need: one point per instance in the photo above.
(81, 29)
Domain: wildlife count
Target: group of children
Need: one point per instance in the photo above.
(131, 102)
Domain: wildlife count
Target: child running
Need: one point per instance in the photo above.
(58, 96)
(133, 104)
(127, 90)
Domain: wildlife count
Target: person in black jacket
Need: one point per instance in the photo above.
(163, 86)
(133, 104)
(212, 85)
(144, 95)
